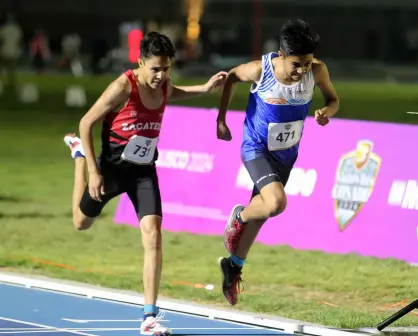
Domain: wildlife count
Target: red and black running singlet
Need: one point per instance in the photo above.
(133, 119)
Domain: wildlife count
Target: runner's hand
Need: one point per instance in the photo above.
(223, 131)
(96, 188)
(321, 117)
(216, 81)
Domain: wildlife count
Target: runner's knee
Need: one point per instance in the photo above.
(146, 199)
(151, 232)
(81, 221)
(275, 205)
(274, 198)
(87, 211)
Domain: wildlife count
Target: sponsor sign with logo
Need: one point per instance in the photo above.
(354, 187)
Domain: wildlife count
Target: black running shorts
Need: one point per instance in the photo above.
(266, 169)
(139, 182)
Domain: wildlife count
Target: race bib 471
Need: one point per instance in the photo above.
(284, 135)
(140, 150)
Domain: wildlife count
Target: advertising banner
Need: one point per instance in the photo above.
(354, 187)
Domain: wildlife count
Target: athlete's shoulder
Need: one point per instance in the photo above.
(256, 66)
(122, 83)
(126, 78)
(319, 69)
(248, 72)
(118, 90)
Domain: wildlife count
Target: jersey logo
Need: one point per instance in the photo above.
(283, 101)
(154, 126)
(276, 101)
(296, 101)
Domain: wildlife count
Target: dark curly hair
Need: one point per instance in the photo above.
(297, 38)
(156, 44)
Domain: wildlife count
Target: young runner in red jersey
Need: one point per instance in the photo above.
(132, 109)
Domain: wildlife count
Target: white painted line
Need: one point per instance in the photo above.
(30, 331)
(15, 329)
(42, 326)
(90, 321)
(123, 329)
(131, 304)
(183, 308)
(412, 112)
(70, 330)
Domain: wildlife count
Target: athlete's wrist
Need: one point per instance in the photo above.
(221, 114)
(205, 88)
(93, 170)
(322, 112)
(330, 110)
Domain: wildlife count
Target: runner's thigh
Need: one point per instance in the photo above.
(265, 170)
(145, 194)
(112, 188)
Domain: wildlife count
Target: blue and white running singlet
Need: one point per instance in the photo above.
(275, 115)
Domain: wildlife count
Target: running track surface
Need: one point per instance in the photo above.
(34, 312)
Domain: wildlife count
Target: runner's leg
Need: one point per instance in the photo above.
(85, 209)
(240, 234)
(270, 201)
(80, 221)
(146, 199)
(250, 233)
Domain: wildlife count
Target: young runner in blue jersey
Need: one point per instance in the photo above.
(281, 94)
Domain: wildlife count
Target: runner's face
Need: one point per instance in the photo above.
(297, 66)
(157, 70)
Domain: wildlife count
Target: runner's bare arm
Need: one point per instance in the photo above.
(322, 79)
(184, 92)
(248, 72)
(116, 93)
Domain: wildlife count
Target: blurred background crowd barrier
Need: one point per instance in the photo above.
(369, 40)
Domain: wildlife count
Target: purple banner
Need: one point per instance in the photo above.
(354, 188)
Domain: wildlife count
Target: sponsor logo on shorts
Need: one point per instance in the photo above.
(355, 180)
(301, 181)
(264, 177)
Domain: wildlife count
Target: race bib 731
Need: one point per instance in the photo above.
(140, 150)
(284, 135)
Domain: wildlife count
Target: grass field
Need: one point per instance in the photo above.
(36, 173)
